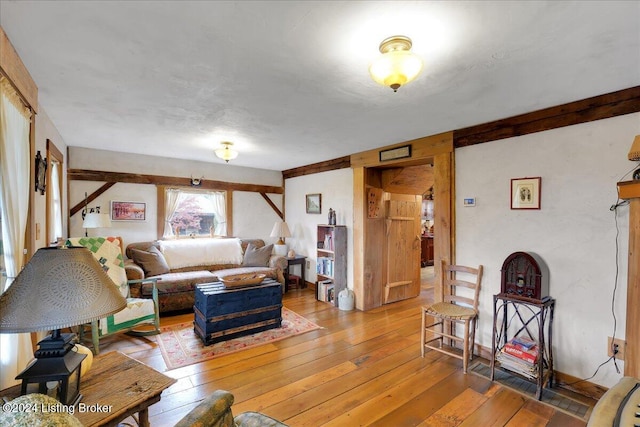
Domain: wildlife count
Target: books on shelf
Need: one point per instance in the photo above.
(520, 355)
(326, 291)
(528, 355)
(324, 266)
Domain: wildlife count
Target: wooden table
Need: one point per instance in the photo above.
(296, 260)
(116, 387)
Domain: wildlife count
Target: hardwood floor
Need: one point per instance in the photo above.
(361, 369)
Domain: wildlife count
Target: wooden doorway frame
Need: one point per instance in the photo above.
(436, 150)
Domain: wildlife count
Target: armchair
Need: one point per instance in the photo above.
(139, 311)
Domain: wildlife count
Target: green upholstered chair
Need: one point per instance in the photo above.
(141, 316)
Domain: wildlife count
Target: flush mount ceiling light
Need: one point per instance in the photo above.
(397, 66)
(225, 152)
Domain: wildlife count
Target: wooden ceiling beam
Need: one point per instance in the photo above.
(131, 178)
(612, 104)
(90, 198)
(329, 165)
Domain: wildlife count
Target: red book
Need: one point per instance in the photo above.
(530, 355)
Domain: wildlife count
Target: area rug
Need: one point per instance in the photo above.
(527, 388)
(180, 346)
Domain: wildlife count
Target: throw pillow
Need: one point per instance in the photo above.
(257, 257)
(152, 261)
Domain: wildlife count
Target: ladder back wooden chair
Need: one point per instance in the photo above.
(460, 290)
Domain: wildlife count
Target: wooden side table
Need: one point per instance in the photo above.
(115, 388)
(296, 260)
(532, 319)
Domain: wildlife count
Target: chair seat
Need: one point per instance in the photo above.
(450, 311)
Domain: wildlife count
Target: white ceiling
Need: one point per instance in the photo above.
(287, 81)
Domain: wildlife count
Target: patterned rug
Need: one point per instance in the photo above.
(180, 346)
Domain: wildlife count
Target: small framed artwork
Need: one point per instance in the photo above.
(469, 201)
(128, 211)
(525, 193)
(314, 203)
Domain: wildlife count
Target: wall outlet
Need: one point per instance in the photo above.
(621, 347)
(308, 264)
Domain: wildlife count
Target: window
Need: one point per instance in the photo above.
(54, 193)
(194, 213)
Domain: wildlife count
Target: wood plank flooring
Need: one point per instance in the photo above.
(362, 369)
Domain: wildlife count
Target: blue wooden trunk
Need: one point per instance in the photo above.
(222, 314)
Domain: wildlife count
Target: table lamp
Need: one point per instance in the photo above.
(95, 220)
(58, 288)
(280, 230)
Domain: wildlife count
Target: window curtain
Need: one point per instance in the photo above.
(15, 167)
(56, 203)
(171, 198)
(218, 199)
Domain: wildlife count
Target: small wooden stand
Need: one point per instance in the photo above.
(535, 322)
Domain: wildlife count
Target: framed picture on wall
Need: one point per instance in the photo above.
(128, 211)
(314, 203)
(525, 193)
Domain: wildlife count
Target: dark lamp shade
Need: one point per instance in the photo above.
(58, 288)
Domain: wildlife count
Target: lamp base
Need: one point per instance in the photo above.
(55, 364)
(280, 249)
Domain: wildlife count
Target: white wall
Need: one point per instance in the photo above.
(336, 188)
(45, 129)
(252, 216)
(574, 232)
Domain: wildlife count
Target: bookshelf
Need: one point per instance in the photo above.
(331, 262)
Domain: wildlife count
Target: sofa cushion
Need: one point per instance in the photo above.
(257, 257)
(151, 261)
(178, 282)
(201, 252)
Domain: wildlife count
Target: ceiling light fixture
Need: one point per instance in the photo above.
(397, 66)
(225, 152)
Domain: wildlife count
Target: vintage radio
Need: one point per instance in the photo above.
(525, 276)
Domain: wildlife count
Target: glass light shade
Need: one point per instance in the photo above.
(225, 152)
(96, 220)
(395, 68)
(427, 210)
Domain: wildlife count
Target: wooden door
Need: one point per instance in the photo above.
(402, 227)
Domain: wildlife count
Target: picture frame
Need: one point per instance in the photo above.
(314, 203)
(402, 152)
(128, 211)
(40, 173)
(526, 193)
